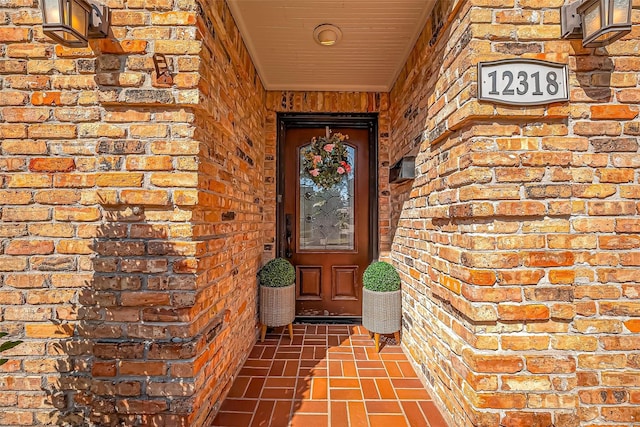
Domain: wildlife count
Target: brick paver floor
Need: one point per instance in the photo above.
(330, 375)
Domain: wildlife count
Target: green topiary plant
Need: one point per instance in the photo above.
(7, 345)
(277, 273)
(381, 276)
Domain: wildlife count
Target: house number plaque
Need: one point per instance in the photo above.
(522, 82)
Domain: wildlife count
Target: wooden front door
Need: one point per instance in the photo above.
(326, 231)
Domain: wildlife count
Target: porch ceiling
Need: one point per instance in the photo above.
(377, 38)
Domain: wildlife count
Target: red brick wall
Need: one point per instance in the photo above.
(518, 242)
(228, 221)
(131, 216)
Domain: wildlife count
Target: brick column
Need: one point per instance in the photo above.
(518, 243)
(131, 216)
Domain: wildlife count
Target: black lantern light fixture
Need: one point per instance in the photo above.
(73, 22)
(597, 22)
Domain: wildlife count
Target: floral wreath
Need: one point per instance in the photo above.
(326, 160)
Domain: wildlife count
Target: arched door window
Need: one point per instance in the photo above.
(327, 216)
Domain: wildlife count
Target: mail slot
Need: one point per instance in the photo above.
(403, 170)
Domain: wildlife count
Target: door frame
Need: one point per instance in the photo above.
(299, 120)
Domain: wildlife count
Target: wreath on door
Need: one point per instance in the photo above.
(326, 160)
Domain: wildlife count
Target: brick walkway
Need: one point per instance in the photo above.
(329, 376)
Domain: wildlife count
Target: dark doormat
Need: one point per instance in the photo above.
(328, 320)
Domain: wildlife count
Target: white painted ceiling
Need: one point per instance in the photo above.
(377, 37)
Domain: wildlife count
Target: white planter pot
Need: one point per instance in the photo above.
(382, 311)
(277, 305)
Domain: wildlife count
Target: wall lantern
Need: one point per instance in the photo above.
(597, 22)
(73, 22)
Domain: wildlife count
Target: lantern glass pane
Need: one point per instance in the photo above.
(591, 20)
(620, 12)
(52, 13)
(72, 39)
(78, 18)
(602, 39)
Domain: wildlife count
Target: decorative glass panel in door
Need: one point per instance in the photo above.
(326, 219)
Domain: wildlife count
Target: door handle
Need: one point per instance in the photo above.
(288, 234)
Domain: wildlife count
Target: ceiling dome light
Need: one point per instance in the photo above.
(327, 34)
